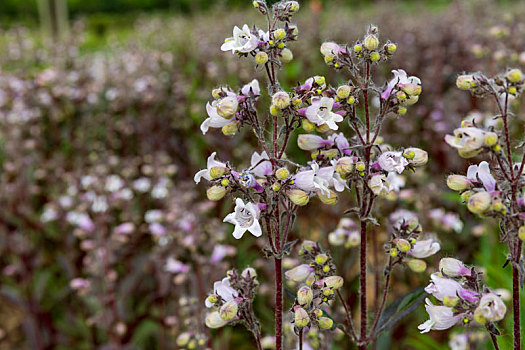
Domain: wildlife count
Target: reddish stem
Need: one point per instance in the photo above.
(362, 282)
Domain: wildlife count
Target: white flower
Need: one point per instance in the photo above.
(425, 248)
(242, 41)
(320, 112)
(260, 166)
(466, 139)
(253, 87)
(400, 77)
(453, 267)
(396, 181)
(441, 287)
(458, 341)
(142, 185)
(481, 173)
(299, 273)
(441, 317)
(245, 218)
(316, 179)
(226, 106)
(224, 290)
(205, 173)
(491, 308)
(392, 161)
(214, 320)
(380, 185)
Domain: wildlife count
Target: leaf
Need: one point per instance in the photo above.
(400, 308)
(288, 247)
(352, 211)
(372, 220)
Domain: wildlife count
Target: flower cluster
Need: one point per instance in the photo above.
(462, 296)
(406, 246)
(318, 287)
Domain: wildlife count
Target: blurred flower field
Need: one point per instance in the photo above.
(107, 242)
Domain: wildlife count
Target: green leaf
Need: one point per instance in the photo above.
(400, 308)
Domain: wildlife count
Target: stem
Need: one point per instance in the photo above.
(362, 282)
(348, 316)
(301, 339)
(494, 341)
(383, 300)
(278, 305)
(516, 307)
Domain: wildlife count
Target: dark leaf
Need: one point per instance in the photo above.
(400, 308)
(288, 247)
(491, 327)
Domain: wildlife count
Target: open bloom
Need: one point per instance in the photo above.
(380, 185)
(220, 112)
(441, 317)
(245, 218)
(316, 179)
(299, 273)
(400, 77)
(224, 290)
(251, 88)
(392, 161)
(397, 182)
(205, 173)
(320, 112)
(441, 287)
(242, 40)
(467, 140)
(261, 167)
(491, 308)
(424, 248)
(481, 173)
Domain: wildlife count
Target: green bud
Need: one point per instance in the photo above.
(358, 48)
(274, 110)
(280, 45)
(401, 110)
(286, 55)
(261, 58)
(298, 197)
(394, 252)
(307, 125)
(320, 80)
(282, 173)
(279, 34)
(463, 82)
(225, 182)
(216, 172)
(401, 96)
(321, 259)
(344, 91)
(351, 100)
(230, 129)
(375, 56)
(301, 317)
(229, 310)
(458, 182)
(305, 295)
(325, 323)
(479, 202)
(183, 339)
(403, 245)
(521, 233)
(330, 199)
(391, 48)
(450, 301)
(360, 166)
(276, 187)
(371, 42)
(514, 75)
(215, 193)
(417, 265)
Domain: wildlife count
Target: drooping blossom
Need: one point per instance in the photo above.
(441, 287)
(245, 218)
(242, 40)
(205, 173)
(424, 248)
(320, 112)
(223, 289)
(441, 317)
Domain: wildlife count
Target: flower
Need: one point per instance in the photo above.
(424, 248)
(400, 77)
(453, 267)
(205, 173)
(224, 290)
(491, 308)
(315, 179)
(441, 317)
(441, 287)
(242, 41)
(298, 273)
(261, 167)
(392, 161)
(467, 140)
(481, 173)
(320, 112)
(380, 185)
(175, 266)
(330, 49)
(220, 112)
(396, 181)
(341, 142)
(214, 320)
(245, 218)
(308, 142)
(251, 88)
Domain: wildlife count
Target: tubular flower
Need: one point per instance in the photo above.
(400, 77)
(242, 40)
(320, 112)
(220, 112)
(392, 161)
(468, 141)
(211, 165)
(441, 317)
(245, 218)
(425, 248)
(481, 174)
(491, 308)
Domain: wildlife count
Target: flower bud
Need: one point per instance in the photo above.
(453, 267)
(463, 82)
(521, 233)
(299, 273)
(344, 166)
(411, 100)
(227, 106)
(229, 310)
(371, 42)
(418, 157)
(249, 272)
(216, 172)
(309, 246)
(375, 56)
(334, 282)
(411, 89)
(458, 182)
(279, 34)
(325, 322)
(301, 317)
(479, 202)
(305, 295)
(330, 199)
(417, 265)
(214, 320)
(217, 93)
(391, 48)
(344, 91)
(401, 96)
(450, 301)
(215, 193)
(293, 6)
(274, 110)
(465, 196)
(309, 142)
(286, 55)
(514, 75)
(230, 129)
(282, 173)
(317, 312)
(261, 58)
(298, 197)
(491, 139)
(320, 80)
(276, 186)
(351, 100)
(394, 252)
(183, 339)
(281, 100)
(321, 259)
(403, 245)
(401, 110)
(360, 166)
(307, 125)
(310, 280)
(358, 48)
(225, 182)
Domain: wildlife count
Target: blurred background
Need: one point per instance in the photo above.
(106, 242)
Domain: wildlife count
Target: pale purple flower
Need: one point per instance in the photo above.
(392, 161)
(424, 248)
(224, 290)
(81, 220)
(441, 317)
(441, 287)
(252, 87)
(481, 173)
(215, 120)
(341, 142)
(380, 185)
(157, 229)
(114, 183)
(397, 182)
(245, 218)
(261, 167)
(125, 228)
(330, 49)
(79, 283)
(221, 251)
(466, 139)
(400, 77)
(491, 307)
(142, 185)
(309, 142)
(175, 266)
(453, 267)
(205, 173)
(242, 40)
(320, 112)
(299, 273)
(316, 179)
